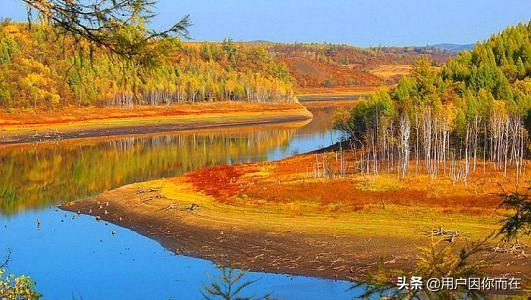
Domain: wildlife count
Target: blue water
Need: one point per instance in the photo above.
(77, 257)
(82, 258)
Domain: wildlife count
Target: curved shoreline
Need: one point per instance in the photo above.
(192, 215)
(30, 133)
(187, 232)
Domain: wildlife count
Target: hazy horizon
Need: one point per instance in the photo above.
(357, 23)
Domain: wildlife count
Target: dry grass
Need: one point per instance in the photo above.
(312, 73)
(391, 72)
(285, 195)
(331, 103)
(336, 91)
(315, 217)
(94, 121)
(91, 113)
(291, 180)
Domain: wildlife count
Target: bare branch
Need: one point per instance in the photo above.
(115, 25)
(7, 259)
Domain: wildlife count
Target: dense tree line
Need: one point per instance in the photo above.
(453, 119)
(42, 68)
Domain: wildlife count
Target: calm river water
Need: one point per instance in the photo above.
(76, 257)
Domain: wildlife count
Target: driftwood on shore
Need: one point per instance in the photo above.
(518, 249)
(447, 235)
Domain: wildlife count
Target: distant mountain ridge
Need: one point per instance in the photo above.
(442, 46)
(260, 42)
(453, 47)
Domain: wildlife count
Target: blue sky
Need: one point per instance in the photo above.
(356, 22)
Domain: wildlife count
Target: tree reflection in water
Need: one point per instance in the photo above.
(230, 285)
(37, 176)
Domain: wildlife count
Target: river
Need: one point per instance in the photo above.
(77, 257)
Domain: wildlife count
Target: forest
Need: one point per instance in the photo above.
(43, 69)
(451, 119)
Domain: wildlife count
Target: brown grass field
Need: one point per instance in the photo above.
(335, 91)
(290, 185)
(391, 73)
(314, 74)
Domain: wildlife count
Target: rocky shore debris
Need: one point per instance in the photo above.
(447, 235)
(143, 190)
(192, 207)
(518, 249)
(170, 206)
(152, 193)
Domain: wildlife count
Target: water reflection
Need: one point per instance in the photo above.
(231, 284)
(38, 176)
(80, 258)
(72, 256)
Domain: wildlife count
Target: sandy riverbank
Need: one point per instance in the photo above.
(274, 217)
(96, 122)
